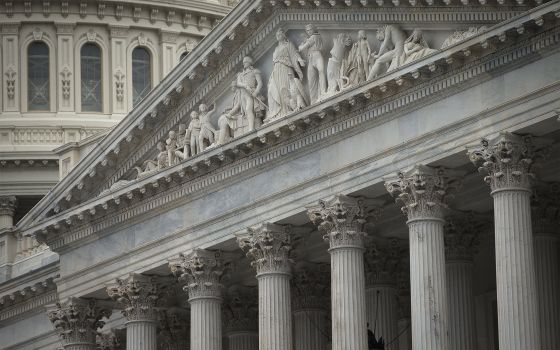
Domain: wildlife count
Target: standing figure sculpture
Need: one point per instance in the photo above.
(416, 47)
(356, 65)
(391, 37)
(171, 145)
(336, 78)
(193, 133)
(315, 63)
(286, 60)
(207, 131)
(298, 98)
(247, 100)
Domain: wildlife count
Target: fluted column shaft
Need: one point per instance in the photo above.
(309, 328)
(428, 290)
(206, 323)
(381, 300)
(405, 335)
(275, 320)
(518, 320)
(547, 263)
(141, 335)
(348, 299)
(461, 305)
(241, 340)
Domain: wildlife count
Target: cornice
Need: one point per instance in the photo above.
(396, 81)
(28, 163)
(311, 129)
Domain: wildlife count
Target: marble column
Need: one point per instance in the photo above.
(7, 209)
(342, 219)
(310, 295)
(382, 260)
(423, 191)
(269, 245)
(240, 318)
(508, 160)
(138, 294)
(173, 330)
(546, 228)
(77, 321)
(201, 272)
(461, 241)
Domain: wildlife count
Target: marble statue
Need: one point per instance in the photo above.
(207, 130)
(336, 80)
(287, 62)
(298, 97)
(152, 166)
(356, 65)
(313, 45)
(391, 52)
(247, 101)
(171, 145)
(416, 47)
(461, 35)
(193, 133)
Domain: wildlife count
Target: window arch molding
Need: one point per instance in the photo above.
(155, 68)
(105, 79)
(24, 77)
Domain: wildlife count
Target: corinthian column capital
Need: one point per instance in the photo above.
(462, 236)
(545, 208)
(342, 218)
(241, 309)
(269, 246)
(138, 294)
(201, 271)
(8, 205)
(311, 286)
(508, 160)
(424, 190)
(77, 321)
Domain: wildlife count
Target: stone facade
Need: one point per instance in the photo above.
(255, 198)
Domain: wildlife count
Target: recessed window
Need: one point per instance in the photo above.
(141, 74)
(90, 61)
(38, 77)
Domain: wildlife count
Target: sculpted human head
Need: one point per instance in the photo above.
(172, 134)
(247, 61)
(281, 35)
(203, 108)
(310, 29)
(194, 115)
(381, 33)
(362, 34)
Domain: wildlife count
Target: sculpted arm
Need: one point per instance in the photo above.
(259, 86)
(386, 41)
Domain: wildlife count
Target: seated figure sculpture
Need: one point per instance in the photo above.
(152, 166)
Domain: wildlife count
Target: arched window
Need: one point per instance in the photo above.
(141, 74)
(90, 61)
(38, 77)
(183, 55)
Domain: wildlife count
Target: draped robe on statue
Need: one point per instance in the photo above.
(285, 59)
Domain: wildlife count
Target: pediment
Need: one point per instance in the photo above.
(125, 167)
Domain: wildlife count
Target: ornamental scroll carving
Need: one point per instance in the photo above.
(119, 84)
(343, 218)
(200, 272)
(138, 294)
(77, 320)
(269, 246)
(11, 82)
(508, 160)
(424, 191)
(65, 81)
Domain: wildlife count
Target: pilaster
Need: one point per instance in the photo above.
(424, 191)
(268, 246)
(11, 70)
(382, 259)
(138, 294)
(508, 160)
(65, 67)
(545, 215)
(77, 322)
(241, 318)
(462, 234)
(201, 272)
(8, 239)
(169, 58)
(119, 61)
(342, 219)
(310, 295)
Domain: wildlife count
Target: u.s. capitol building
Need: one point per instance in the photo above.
(312, 170)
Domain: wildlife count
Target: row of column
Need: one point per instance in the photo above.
(439, 287)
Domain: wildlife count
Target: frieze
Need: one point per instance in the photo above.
(418, 95)
(258, 45)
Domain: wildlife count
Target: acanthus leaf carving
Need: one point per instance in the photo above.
(119, 84)
(66, 81)
(462, 235)
(241, 309)
(11, 82)
(138, 294)
(311, 286)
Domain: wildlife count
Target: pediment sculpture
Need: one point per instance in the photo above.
(299, 77)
